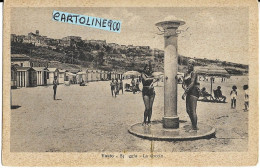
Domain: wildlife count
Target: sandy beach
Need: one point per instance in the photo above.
(89, 119)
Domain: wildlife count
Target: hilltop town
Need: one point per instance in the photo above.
(72, 52)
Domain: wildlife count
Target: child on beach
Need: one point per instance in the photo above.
(246, 98)
(233, 95)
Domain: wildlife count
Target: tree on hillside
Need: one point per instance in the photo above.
(100, 58)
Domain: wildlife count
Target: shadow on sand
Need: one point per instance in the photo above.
(15, 106)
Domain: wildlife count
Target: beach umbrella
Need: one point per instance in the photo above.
(212, 71)
(132, 73)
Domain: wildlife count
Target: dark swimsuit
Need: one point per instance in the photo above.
(195, 90)
(147, 91)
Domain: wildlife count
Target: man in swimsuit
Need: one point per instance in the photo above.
(112, 85)
(55, 83)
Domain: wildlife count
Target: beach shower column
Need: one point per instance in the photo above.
(170, 119)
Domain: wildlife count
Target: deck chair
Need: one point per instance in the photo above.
(127, 87)
(206, 97)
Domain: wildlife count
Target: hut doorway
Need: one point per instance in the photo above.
(32, 76)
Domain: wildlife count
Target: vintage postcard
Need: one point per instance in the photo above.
(130, 83)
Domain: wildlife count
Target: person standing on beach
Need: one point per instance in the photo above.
(233, 95)
(246, 98)
(133, 85)
(148, 93)
(121, 86)
(137, 85)
(117, 87)
(55, 83)
(112, 85)
(192, 93)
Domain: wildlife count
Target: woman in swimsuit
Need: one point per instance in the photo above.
(148, 93)
(192, 92)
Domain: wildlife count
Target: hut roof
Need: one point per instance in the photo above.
(62, 70)
(23, 68)
(70, 74)
(79, 73)
(74, 71)
(39, 68)
(52, 69)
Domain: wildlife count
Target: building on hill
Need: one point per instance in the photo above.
(13, 37)
(72, 38)
(17, 38)
(95, 41)
(70, 41)
(145, 47)
(35, 39)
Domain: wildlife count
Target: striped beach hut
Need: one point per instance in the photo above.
(26, 77)
(81, 77)
(62, 75)
(113, 75)
(105, 75)
(102, 75)
(13, 77)
(90, 75)
(94, 75)
(98, 73)
(41, 73)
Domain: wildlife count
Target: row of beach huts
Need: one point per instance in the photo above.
(42, 76)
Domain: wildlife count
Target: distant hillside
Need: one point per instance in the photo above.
(103, 57)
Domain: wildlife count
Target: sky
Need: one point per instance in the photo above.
(213, 33)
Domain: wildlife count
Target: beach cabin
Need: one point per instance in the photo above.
(94, 77)
(13, 77)
(26, 77)
(102, 76)
(82, 77)
(105, 75)
(74, 75)
(89, 73)
(98, 75)
(71, 77)
(41, 73)
(61, 76)
(51, 72)
(119, 76)
(109, 75)
(113, 75)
